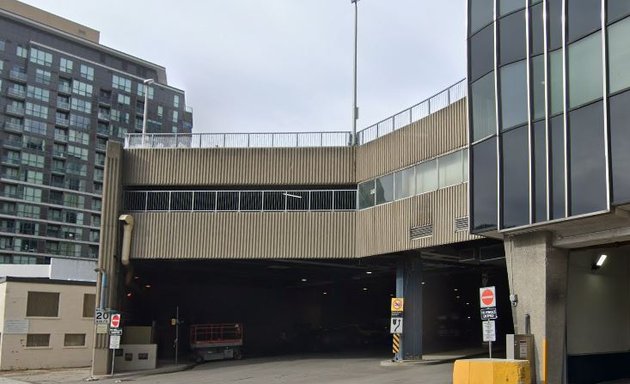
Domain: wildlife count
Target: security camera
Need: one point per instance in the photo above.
(514, 300)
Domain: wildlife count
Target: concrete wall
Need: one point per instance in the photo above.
(598, 309)
(25, 270)
(13, 351)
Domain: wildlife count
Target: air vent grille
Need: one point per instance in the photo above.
(421, 231)
(461, 224)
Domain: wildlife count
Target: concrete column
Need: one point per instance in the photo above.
(409, 286)
(109, 250)
(537, 274)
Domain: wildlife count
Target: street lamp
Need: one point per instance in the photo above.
(355, 109)
(146, 82)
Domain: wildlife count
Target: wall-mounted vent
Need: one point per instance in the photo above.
(461, 224)
(421, 231)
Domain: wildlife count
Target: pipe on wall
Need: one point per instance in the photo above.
(126, 246)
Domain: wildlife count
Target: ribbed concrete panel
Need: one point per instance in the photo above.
(386, 228)
(244, 235)
(438, 133)
(110, 229)
(239, 166)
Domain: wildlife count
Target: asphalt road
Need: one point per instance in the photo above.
(287, 369)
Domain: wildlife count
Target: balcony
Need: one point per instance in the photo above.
(105, 100)
(60, 137)
(58, 169)
(101, 130)
(63, 105)
(15, 110)
(60, 121)
(64, 88)
(16, 93)
(101, 146)
(12, 126)
(18, 76)
(11, 160)
(13, 143)
(103, 116)
(60, 154)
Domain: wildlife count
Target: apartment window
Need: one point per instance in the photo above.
(584, 17)
(87, 72)
(176, 101)
(121, 83)
(74, 340)
(65, 65)
(89, 304)
(81, 105)
(37, 339)
(96, 204)
(40, 57)
(481, 53)
(512, 38)
(124, 99)
(555, 22)
(77, 152)
(34, 126)
(32, 194)
(160, 111)
(79, 121)
(585, 70)
(538, 86)
(81, 88)
(141, 88)
(507, 6)
(2, 43)
(175, 116)
(21, 51)
(33, 177)
(32, 159)
(42, 76)
(537, 27)
(42, 304)
(38, 93)
(36, 110)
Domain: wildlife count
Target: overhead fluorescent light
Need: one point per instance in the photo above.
(601, 260)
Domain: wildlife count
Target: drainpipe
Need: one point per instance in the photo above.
(126, 246)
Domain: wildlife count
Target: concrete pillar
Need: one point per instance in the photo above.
(537, 274)
(109, 250)
(409, 286)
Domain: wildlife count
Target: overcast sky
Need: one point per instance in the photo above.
(286, 65)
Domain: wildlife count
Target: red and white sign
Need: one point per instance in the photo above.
(487, 297)
(115, 320)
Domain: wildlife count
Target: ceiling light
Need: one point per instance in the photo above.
(601, 260)
(304, 280)
(365, 288)
(368, 272)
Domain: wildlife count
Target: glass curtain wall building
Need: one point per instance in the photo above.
(549, 111)
(62, 98)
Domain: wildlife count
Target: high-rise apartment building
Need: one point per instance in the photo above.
(63, 96)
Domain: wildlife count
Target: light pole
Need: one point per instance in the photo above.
(146, 83)
(355, 109)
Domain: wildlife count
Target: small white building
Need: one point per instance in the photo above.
(46, 323)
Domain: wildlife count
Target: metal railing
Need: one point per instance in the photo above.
(238, 140)
(414, 113)
(241, 201)
(401, 119)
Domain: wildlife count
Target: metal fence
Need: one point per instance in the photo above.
(238, 140)
(412, 114)
(241, 201)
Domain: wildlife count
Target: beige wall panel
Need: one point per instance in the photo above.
(239, 166)
(244, 235)
(385, 229)
(438, 133)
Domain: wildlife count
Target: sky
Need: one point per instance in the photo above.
(286, 65)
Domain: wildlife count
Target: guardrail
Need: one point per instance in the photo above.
(241, 201)
(403, 118)
(414, 113)
(238, 140)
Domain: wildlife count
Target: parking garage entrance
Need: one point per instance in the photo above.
(306, 306)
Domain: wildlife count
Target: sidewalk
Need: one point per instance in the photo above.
(81, 375)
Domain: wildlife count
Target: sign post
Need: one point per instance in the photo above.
(114, 334)
(396, 325)
(488, 305)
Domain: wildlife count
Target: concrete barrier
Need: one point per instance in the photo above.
(491, 371)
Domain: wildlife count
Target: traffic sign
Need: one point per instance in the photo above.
(115, 332)
(101, 316)
(114, 342)
(398, 304)
(115, 320)
(489, 330)
(396, 325)
(487, 297)
(489, 313)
